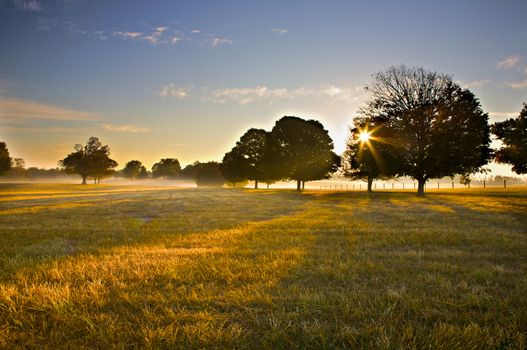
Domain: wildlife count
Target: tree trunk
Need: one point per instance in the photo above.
(255, 184)
(298, 185)
(83, 179)
(267, 185)
(370, 182)
(421, 187)
(303, 185)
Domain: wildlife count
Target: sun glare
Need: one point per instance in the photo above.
(364, 136)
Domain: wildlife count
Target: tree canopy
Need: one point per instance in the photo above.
(5, 160)
(91, 160)
(166, 167)
(435, 127)
(209, 174)
(132, 169)
(303, 150)
(513, 134)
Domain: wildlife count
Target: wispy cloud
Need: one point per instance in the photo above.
(520, 85)
(475, 84)
(279, 31)
(28, 5)
(215, 42)
(160, 35)
(127, 35)
(247, 95)
(14, 109)
(503, 115)
(124, 128)
(509, 62)
(171, 90)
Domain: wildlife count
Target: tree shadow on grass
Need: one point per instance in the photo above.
(76, 226)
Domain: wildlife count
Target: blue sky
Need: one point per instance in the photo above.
(185, 79)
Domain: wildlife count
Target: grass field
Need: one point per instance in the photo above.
(145, 267)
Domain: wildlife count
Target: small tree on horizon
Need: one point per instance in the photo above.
(513, 134)
(91, 160)
(166, 167)
(132, 169)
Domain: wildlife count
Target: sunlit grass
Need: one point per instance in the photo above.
(206, 268)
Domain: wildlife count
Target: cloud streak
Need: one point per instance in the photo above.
(171, 90)
(129, 128)
(520, 85)
(28, 5)
(509, 62)
(475, 84)
(248, 95)
(14, 109)
(279, 31)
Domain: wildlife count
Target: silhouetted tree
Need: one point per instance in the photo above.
(513, 133)
(437, 128)
(302, 150)
(143, 173)
(191, 170)
(93, 160)
(232, 167)
(249, 153)
(168, 167)
(5, 160)
(366, 157)
(209, 174)
(132, 169)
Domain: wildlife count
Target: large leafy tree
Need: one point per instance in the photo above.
(5, 160)
(167, 167)
(303, 150)
(435, 127)
(90, 160)
(513, 134)
(132, 169)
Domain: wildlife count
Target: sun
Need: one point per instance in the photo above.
(364, 136)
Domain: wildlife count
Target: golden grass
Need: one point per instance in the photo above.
(220, 268)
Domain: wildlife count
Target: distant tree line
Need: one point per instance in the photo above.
(416, 123)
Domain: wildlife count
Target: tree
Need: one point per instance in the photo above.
(167, 167)
(5, 160)
(513, 134)
(303, 150)
(93, 160)
(209, 174)
(366, 157)
(143, 173)
(246, 159)
(232, 167)
(435, 127)
(191, 170)
(132, 169)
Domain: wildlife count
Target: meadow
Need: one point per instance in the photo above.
(107, 266)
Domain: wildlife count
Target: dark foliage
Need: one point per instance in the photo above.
(513, 133)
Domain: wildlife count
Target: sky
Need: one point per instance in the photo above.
(185, 79)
